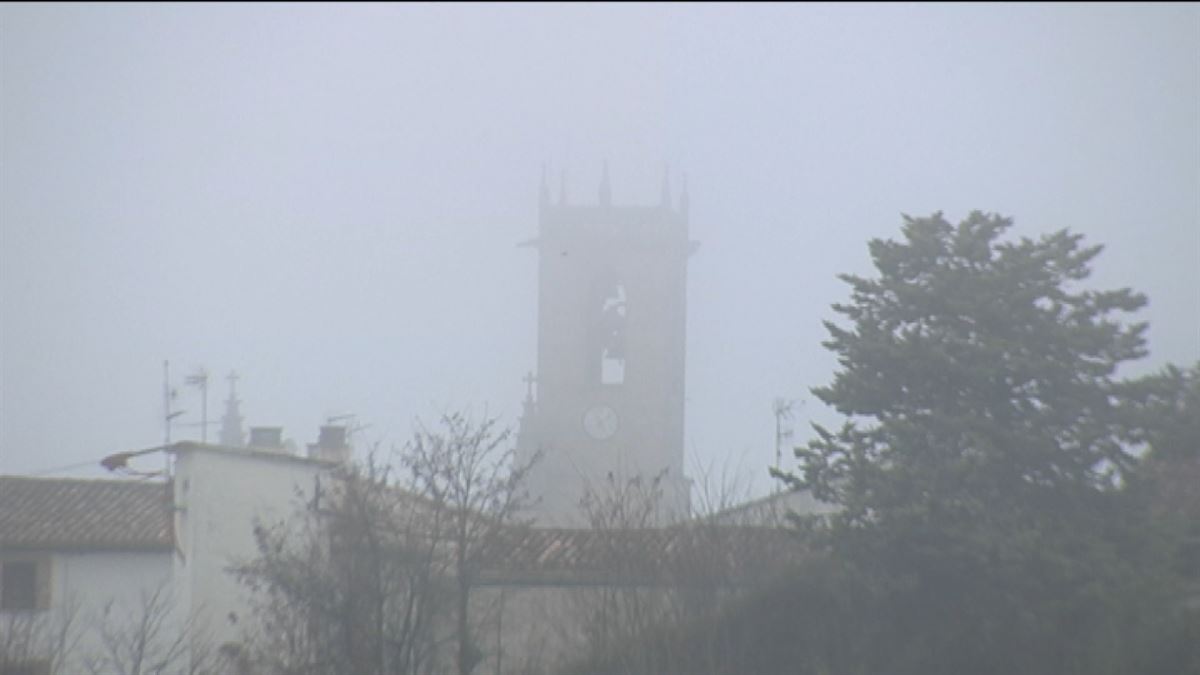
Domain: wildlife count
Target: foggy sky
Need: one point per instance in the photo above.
(328, 199)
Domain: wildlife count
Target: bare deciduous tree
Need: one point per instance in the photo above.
(374, 575)
(149, 638)
(661, 580)
(48, 637)
(628, 602)
(353, 585)
(467, 470)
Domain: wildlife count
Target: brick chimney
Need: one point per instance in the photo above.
(266, 438)
(331, 445)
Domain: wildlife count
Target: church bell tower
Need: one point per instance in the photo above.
(612, 291)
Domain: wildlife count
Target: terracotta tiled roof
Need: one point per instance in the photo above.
(672, 555)
(56, 513)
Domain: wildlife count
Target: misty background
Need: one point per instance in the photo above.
(328, 199)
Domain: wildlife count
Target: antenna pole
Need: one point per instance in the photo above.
(783, 410)
(166, 403)
(200, 381)
(203, 378)
(166, 417)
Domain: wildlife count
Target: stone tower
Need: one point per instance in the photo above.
(612, 290)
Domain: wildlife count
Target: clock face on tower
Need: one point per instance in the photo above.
(600, 422)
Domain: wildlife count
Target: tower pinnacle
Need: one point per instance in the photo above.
(231, 421)
(605, 187)
(683, 197)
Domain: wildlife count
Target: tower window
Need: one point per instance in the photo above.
(612, 344)
(612, 370)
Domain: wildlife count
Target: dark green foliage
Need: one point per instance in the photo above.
(988, 377)
(1163, 411)
(981, 473)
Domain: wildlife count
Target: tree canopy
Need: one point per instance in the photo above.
(981, 470)
(987, 374)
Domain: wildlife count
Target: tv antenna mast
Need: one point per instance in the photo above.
(199, 379)
(783, 431)
(169, 395)
(351, 423)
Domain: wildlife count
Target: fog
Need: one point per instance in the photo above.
(328, 200)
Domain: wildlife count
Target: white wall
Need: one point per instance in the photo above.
(219, 492)
(98, 577)
(89, 591)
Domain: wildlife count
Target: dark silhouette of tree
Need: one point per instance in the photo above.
(980, 472)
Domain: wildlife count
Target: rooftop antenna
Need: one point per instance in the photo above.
(169, 395)
(199, 379)
(783, 432)
(352, 425)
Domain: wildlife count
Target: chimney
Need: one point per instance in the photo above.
(331, 445)
(266, 438)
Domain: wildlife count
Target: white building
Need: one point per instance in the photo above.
(83, 561)
(69, 551)
(86, 562)
(219, 493)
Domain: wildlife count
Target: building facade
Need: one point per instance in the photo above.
(612, 311)
(76, 557)
(91, 568)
